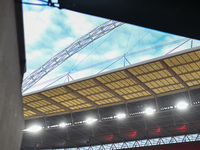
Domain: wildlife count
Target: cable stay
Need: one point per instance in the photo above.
(187, 39)
(112, 61)
(72, 49)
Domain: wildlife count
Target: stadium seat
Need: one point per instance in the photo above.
(185, 146)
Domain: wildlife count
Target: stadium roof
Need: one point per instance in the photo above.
(174, 73)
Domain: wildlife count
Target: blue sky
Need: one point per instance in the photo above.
(50, 30)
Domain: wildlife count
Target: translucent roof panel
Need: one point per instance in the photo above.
(155, 78)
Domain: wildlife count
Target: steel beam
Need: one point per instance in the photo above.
(72, 49)
(130, 75)
(33, 110)
(173, 73)
(109, 90)
(53, 102)
(69, 90)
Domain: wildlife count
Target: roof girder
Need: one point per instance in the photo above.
(53, 102)
(109, 90)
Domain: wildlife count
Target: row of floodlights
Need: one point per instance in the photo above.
(148, 111)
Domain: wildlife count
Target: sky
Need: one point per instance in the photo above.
(48, 30)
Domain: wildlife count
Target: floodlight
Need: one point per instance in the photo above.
(62, 125)
(34, 129)
(182, 105)
(91, 120)
(121, 116)
(149, 111)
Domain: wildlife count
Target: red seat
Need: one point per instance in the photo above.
(185, 146)
(160, 147)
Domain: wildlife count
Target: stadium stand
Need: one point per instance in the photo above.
(179, 146)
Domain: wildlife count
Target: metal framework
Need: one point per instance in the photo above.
(142, 143)
(153, 79)
(72, 49)
(136, 127)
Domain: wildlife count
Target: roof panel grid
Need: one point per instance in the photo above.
(129, 97)
(112, 77)
(147, 68)
(54, 92)
(90, 91)
(163, 76)
(76, 103)
(130, 89)
(28, 113)
(31, 98)
(48, 108)
(82, 85)
(169, 88)
(108, 101)
(64, 97)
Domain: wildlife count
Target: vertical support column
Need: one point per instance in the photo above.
(99, 115)
(173, 117)
(35, 147)
(146, 127)
(157, 106)
(190, 99)
(124, 61)
(67, 134)
(11, 112)
(72, 119)
(127, 112)
(92, 131)
(191, 43)
(118, 126)
(45, 122)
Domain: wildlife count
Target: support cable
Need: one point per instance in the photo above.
(72, 49)
(178, 46)
(116, 59)
(124, 54)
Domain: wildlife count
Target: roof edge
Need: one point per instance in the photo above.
(118, 69)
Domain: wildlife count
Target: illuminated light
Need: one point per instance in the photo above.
(155, 131)
(54, 126)
(182, 128)
(33, 129)
(149, 111)
(62, 125)
(121, 116)
(133, 134)
(91, 120)
(158, 130)
(182, 105)
(109, 137)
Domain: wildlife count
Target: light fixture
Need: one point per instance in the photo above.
(91, 120)
(62, 125)
(149, 111)
(182, 105)
(33, 129)
(121, 116)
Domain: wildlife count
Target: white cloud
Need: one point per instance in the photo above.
(112, 54)
(81, 24)
(34, 27)
(63, 43)
(48, 31)
(34, 55)
(146, 57)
